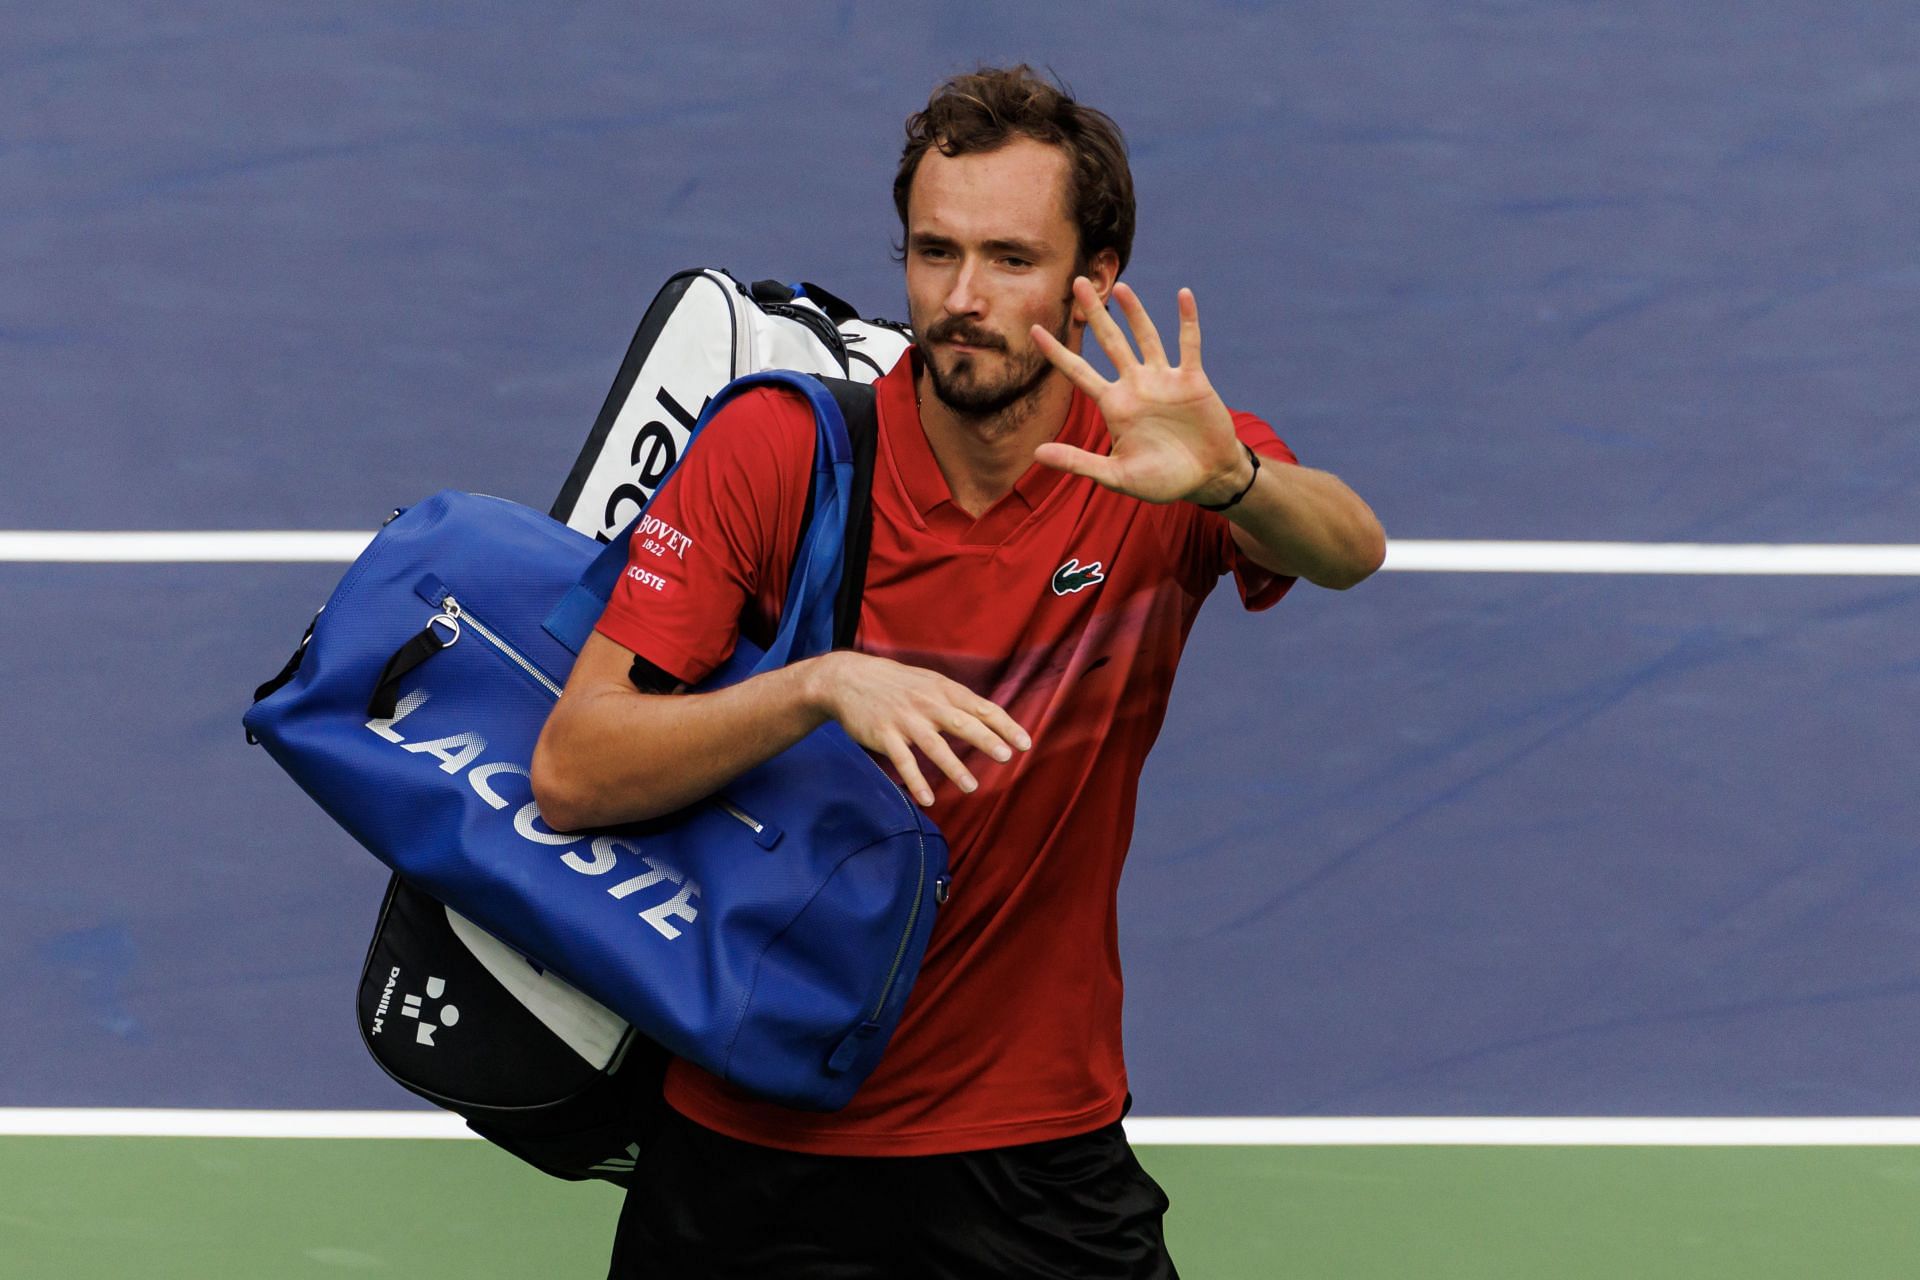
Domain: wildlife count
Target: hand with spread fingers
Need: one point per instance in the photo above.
(1173, 437)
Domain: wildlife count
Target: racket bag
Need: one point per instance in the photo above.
(702, 330)
(534, 1066)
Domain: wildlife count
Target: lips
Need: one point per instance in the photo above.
(967, 341)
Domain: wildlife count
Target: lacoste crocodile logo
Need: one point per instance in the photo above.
(1071, 577)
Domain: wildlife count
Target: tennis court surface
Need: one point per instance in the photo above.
(1463, 843)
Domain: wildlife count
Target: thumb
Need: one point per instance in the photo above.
(1064, 457)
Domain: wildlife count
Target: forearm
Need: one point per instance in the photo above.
(1308, 524)
(611, 755)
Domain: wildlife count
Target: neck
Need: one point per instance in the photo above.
(983, 458)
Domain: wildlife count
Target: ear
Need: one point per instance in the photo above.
(1103, 270)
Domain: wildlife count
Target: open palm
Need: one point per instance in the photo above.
(1173, 438)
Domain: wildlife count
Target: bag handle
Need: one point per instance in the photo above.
(838, 309)
(806, 619)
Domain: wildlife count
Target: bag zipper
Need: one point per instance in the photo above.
(913, 915)
(853, 1043)
(758, 827)
(814, 321)
(451, 608)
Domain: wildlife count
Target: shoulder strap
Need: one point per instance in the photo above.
(859, 408)
(810, 617)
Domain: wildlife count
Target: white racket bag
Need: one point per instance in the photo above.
(681, 356)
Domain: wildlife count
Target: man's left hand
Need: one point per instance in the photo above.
(1173, 437)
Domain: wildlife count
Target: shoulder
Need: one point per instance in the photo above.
(762, 438)
(758, 420)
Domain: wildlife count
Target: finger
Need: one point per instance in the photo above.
(1189, 330)
(935, 748)
(973, 730)
(1078, 371)
(996, 718)
(1097, 467)
(993, 718)
(908, 768)
(1144, 332)
(1105, 330)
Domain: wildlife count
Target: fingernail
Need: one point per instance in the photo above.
(1002, 754)
(1024, 742)
(926, 799)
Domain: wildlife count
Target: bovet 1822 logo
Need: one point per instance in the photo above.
(1073, 576)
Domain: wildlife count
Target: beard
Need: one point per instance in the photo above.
(967, 388)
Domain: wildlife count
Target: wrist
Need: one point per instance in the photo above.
(814, 687)
(1228, 493)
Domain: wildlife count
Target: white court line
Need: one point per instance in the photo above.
(1811, 559)
(268, 546)
(1333, 1131)
(26, 546)
(1525, 1131)
(128, 1122)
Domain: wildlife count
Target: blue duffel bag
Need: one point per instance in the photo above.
(769, 934)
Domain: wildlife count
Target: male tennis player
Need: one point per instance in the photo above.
(1042, 541)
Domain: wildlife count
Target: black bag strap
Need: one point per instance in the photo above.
(859, 407)
(284, 676)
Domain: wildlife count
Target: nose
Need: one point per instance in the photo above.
(963, 298)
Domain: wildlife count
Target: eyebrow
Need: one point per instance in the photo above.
(1020, 248)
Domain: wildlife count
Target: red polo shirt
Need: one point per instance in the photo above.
(1066, 604)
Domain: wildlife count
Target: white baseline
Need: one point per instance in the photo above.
(28, 546)
(1272, 1131)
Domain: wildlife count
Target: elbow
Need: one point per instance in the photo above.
(577, 791)
(562, 801)
(1372, 554)
(1365, 555)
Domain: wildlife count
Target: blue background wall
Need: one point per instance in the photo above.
(1446, 844)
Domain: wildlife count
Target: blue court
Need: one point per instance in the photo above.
(1456, 844)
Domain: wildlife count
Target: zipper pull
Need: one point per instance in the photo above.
(765, 834)
(848, 1051)
(441, 631)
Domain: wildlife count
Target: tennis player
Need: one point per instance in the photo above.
(1043, 538)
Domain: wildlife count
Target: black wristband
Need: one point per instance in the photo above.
(1234, 501)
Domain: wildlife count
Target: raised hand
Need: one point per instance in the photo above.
(1173, 438)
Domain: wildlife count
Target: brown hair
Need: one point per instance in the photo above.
(983, 110)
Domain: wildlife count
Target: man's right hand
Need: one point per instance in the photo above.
(893, 709)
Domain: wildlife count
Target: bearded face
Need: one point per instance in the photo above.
(979, 373)
(990, 253)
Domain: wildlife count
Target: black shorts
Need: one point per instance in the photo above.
(710, 1206)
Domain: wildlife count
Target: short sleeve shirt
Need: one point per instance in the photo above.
(1066, 604)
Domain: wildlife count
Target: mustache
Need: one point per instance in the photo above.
(951, 331)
